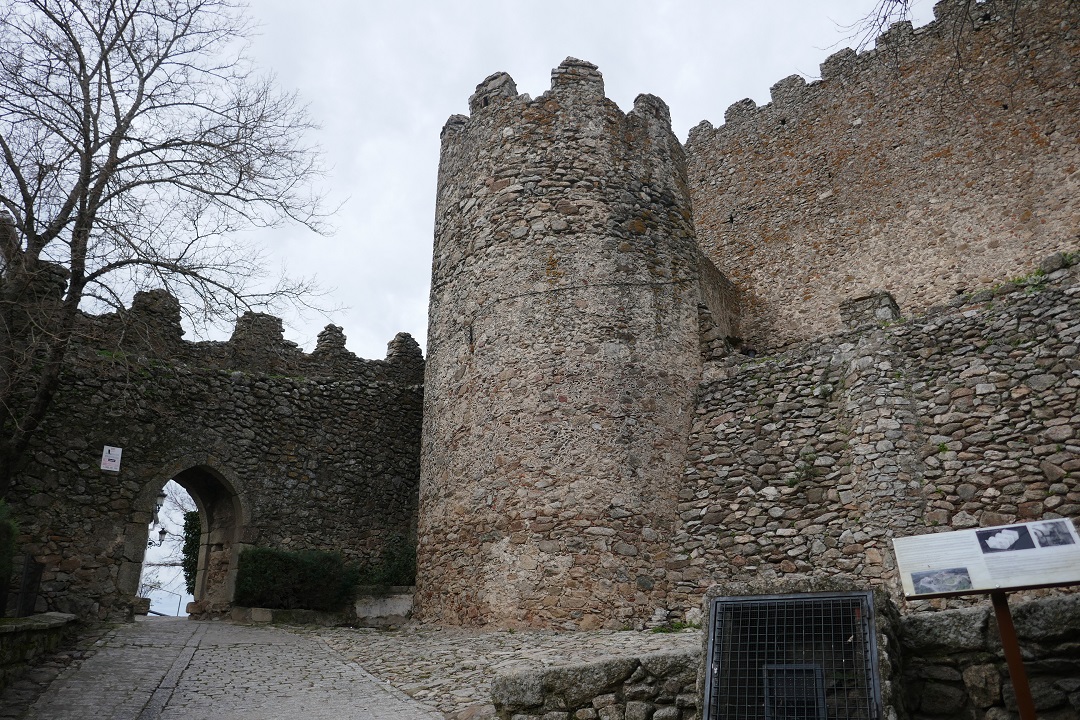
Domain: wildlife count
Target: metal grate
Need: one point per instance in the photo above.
(793, 657)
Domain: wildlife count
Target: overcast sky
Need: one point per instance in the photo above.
(382, 78)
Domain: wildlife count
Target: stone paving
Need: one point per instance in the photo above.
(177, 669)
(185, 670)
(451, 669)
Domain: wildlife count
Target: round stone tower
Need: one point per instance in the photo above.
(563, 359)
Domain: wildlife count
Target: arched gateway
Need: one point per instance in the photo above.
(224, 511)
(221, 511)
(278, 448)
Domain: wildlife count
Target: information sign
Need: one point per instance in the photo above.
(110, 458)
(1043, 553)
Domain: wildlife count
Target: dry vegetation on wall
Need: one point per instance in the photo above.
(940, 162)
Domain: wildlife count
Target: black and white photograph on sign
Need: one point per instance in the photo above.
(1053, 533)
(1005, 539)
(941, 581)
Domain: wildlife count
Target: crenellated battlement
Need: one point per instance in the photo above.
(278, 447)
(586, 267)
(610, 418)
(151, 328)
(564, 348)
(937, 162)
(513, 150)
(900, 44)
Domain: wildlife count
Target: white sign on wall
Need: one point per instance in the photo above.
(1008, 557)
(110, 458)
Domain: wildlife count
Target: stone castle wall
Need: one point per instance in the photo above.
(279, 449)
(942, 161)
(954, 665)
(590, 454)
(563, 357)
(807, 463)
(936, 165)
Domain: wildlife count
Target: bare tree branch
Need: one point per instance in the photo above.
(136, 138)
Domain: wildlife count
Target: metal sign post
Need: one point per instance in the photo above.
(1024, 703)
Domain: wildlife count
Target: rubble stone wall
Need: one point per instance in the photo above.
(563, 358)
(954, 664)
(279, 449)
(24, 640)
(939, 162)
(656, 686)
(806, 463)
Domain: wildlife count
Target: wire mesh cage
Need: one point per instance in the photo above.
(793, 657)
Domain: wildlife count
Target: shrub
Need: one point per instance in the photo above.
(305, 580)
(8, 531)
(192, 543)
(396, 565)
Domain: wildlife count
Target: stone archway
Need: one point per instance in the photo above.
(221, 513)
(224, 514)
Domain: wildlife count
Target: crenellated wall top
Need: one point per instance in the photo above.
(151, 327)
(900, 43)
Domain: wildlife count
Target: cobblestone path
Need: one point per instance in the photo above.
(183, 670)
(452, 668)
(165, 669)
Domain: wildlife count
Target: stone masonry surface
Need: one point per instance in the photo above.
(452, 669)
(605, 433)
(657, 686)
(278, 448)
(568, 295)
(943, 160)
(563, 356)
(806, 463)
(184, 670)
(25, 640)
(953, 664)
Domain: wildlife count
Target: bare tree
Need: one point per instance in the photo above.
(959, 15)
(135, 139)
(884, 14)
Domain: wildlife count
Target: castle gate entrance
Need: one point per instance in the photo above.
(223, 520)
(221, 513)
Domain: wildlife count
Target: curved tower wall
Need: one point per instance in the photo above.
(563, 359)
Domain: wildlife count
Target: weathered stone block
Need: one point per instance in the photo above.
(869, 310)
(603, 701)
(640, 691)
(517, 690)
(673, 665)
(939, 699)
(983, 684)
(1044, 693)
(951, 631)
(639, 710)
(1048, 620)
(262, 615)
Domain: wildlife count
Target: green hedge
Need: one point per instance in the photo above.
(396, 565)
(8, 531)
(307, 580)
(192, 541)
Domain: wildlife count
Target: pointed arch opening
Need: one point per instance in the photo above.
(221, 517)
(169, 565)
(224, 521)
